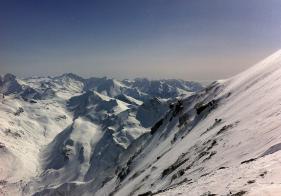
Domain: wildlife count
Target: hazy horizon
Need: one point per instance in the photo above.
(156, 39)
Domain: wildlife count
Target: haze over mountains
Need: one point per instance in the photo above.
(68, 135)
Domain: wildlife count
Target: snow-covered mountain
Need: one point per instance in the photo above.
(223, 140)
(56, 130)
(73, 136)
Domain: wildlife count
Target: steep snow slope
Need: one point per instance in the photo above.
(224, 141)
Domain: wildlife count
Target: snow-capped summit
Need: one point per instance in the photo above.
(164, 88)
(109, 87)
(72, 76)
(9, 84)
(9, 77)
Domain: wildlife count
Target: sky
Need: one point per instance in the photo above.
(182, 39)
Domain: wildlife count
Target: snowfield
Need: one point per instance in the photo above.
(72, 136)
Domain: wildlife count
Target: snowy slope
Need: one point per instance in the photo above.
(224, 141)
(24, 129)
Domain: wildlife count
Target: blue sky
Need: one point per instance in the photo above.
(188, 39)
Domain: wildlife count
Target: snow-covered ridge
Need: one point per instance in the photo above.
(69, 84)
(223, 141)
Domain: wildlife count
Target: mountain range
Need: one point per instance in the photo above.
(67, 135)
(74, 127)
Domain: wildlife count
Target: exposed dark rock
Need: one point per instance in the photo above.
(136, 174)
(178, 174)
(3, 182)
(206, 107)
(227, 127)
(12, 133)
(224, 129)
(81, 157)
(2, 145)
(19, 111)
(30, 93)
(32, 101)
(249, 160)
(66, 152)
(149, 193)
(183, 119)
(126, 169)
(60, 117)
(214, 142)
(123, 173)
(263, 174)
(202, 154)
(240, 193)
(156, 126)
(208, 194)
(174, 166)
(178, 108)
(251, 181)
(145, 178)
(206, 174)
(69, 142)
(217, 122)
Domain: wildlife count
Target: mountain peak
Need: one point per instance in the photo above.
(72, 76)
(10, 85)
(8, 77)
